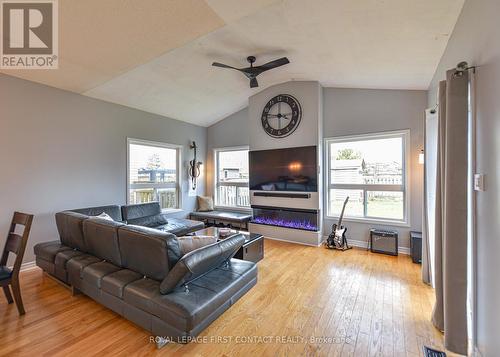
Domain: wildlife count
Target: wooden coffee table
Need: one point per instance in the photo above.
(252, 250)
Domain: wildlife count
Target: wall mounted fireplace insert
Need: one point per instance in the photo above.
(286, 217)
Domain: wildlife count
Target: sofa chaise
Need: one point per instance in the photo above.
(140, 273)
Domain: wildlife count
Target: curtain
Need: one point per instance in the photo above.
(429, 206)
(450, 311)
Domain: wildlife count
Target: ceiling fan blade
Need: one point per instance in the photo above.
(254, 83)
(222, 65)
(273, 64)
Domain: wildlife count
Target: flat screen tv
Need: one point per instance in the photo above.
(291, 169)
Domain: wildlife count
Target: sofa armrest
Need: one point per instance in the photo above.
(201, 261)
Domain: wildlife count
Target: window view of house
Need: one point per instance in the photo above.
(370, 170)
(153, 174)
(232, 178)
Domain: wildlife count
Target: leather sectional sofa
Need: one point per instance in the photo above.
(140, 273)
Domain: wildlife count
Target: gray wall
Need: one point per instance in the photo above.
(360, 111)
(229, 132)
(347, 112)
(308, 93)
(476, 39)
(60, 150)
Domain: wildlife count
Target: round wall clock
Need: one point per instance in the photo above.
(281, 116)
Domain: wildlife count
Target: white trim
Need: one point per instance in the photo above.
(215, 183)
(472, 220)
(405, 134)
(233, 148)
(159, 144)
(476, 352)
(370, 221)
(294, 242)
(171, 210)
(27, 266)
(234, 208)
(364, 244)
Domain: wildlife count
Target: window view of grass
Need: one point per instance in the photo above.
(385, 205)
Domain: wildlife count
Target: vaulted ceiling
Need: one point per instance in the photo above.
(156, 55)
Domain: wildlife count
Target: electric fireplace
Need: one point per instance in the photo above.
(286, 217)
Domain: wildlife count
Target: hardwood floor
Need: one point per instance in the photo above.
(365, 304)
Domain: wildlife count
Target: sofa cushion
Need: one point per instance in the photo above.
(228, 279)
(201, 261)
(94, 273)
(49, 250)
(101, 237)
(45, 265)
(70, 227)
(111, 210)
(63, 257)
(76, 265)
(116, 282)
(130, 212)
(181, 226)
(186, 309)
(5, 273)
(149, 221)
(144, 214)
(148, 251)
(140, 293)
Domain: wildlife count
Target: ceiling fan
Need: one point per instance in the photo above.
(252, 72)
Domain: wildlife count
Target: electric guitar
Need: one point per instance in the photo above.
(337, 238)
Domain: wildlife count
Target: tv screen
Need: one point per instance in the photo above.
(291, 169)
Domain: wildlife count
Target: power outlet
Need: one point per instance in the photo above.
(479, 182)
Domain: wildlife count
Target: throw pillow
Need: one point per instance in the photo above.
(105, 216)
(205, 204)
(190, 243)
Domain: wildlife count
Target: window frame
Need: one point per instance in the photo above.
(405, 187)
(177, 185)
(216, 182)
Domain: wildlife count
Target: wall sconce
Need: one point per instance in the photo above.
(194, 167)
(295, 166)
(421, 157)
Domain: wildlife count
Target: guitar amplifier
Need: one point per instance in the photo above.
(385, 242)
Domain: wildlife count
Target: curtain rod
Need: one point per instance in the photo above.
(462, 67)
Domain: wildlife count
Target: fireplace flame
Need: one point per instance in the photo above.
(305, 225)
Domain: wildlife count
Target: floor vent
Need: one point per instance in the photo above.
(430, 352)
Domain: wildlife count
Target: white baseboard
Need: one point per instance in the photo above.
(293, 242)
(28, 266)
(476, 352)
(364, 244)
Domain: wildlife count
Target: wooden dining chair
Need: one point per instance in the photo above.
(15, 244)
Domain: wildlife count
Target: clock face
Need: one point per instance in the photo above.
(281, 116)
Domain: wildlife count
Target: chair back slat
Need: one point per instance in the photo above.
(13, 243)
(22, 218)
(16, 243)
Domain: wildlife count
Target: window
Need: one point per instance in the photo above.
(372, 170)
(231, 178)
(153, 173)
